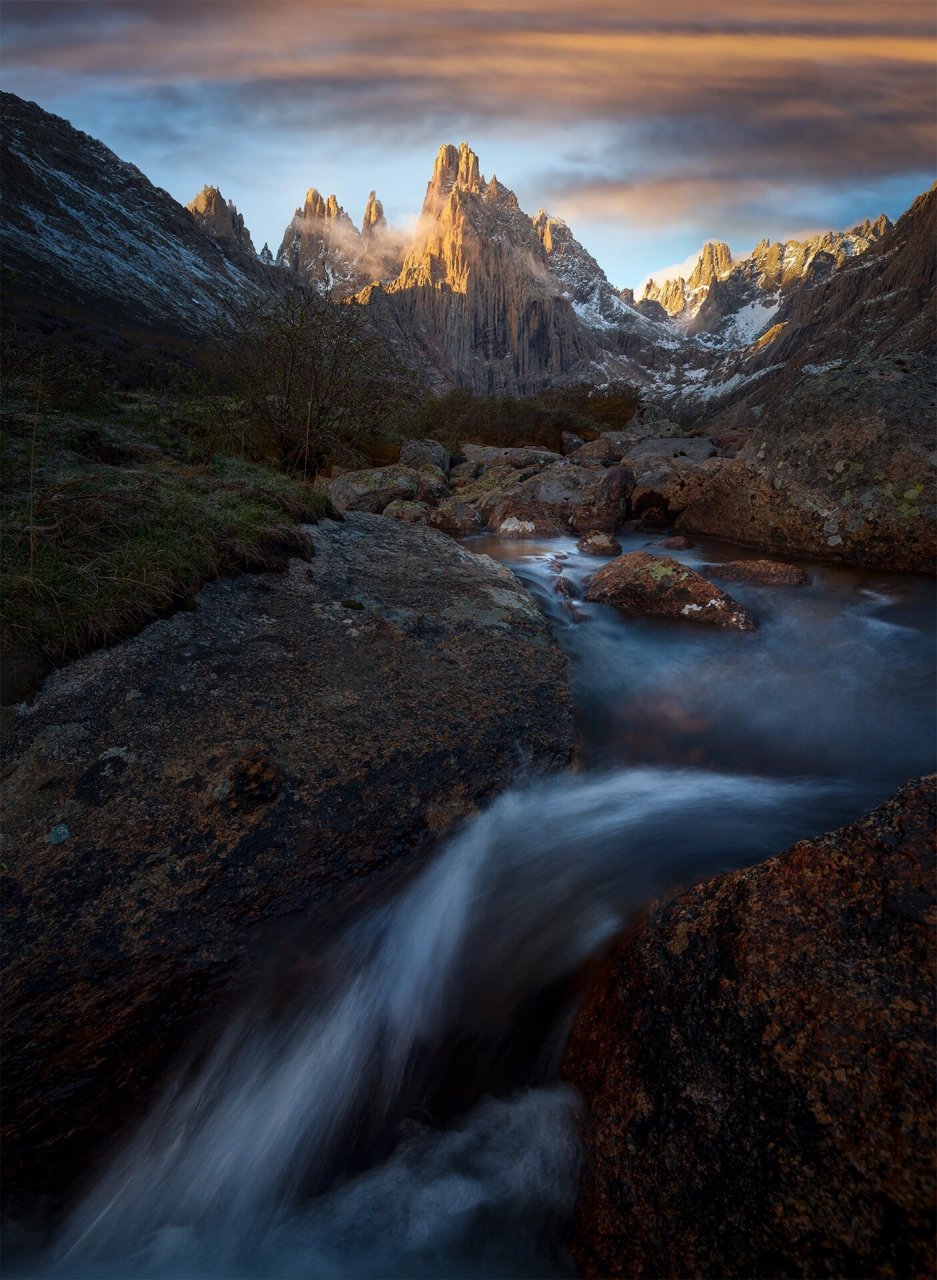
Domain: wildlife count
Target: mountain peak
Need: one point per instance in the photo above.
(326, 207)
(220, 218)
(373, 216)
(715, 260)
(454, 168)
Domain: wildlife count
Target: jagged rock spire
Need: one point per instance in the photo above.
(454, 168)
(220, 218)
(373, 216)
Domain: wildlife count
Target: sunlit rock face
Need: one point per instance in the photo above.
(322, 245)
(733, 299)
(324, 248)
(475, 294)
(220, 218)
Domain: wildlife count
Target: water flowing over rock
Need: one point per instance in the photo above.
(757, 1067)
(226, 771)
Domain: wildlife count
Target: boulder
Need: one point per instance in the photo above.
(463, 473)
(177, 800)
(668, 487)
(570, 442)
(599, 544)
(408, 512)
(771, 572)
(373, 489)
(422, 453)
(660, 448)
(515, 518)
(843, 468)
(602, 450)
(757, 1066)
(678, 543)
(433, 485)
(489, 456)
(644, 583)
(606, 506)
(455, 518)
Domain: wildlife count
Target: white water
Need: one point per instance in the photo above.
(400, 1114)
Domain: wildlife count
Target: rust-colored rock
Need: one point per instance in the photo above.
(644, 583)
(172, 803)
(770, 572)
(599, 544)
(758, 1070)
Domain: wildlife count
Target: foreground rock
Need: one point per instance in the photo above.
(644, 583)
(172, 803)
(757, 1068)
(770, 572)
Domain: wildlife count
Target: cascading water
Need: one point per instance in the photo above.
(401, 1114)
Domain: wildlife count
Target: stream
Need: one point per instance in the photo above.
(402, 1114)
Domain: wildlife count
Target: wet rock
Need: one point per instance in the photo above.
(644, 583)
(515, 518)
(422, 453)
(678, 543)
(375, 488)
(772, 572)
(289, 740)
(408, 512)
(599, 544)
(757, 1067)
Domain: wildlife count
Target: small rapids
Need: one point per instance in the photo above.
(400, 1113)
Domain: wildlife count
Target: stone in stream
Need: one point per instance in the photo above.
(599, 544)
(208, 784)
(757, 1066)
(770, 572)
(650, 584)
(677, 543)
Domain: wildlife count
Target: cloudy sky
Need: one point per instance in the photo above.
(649, 125)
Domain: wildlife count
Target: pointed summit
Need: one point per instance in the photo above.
(454, 169)
(373, 219)
(715, 261)
(220, 218)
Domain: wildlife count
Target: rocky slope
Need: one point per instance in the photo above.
(843, 467)
(757, 1068)
(731, 300)
(171, 804)
(90, 245)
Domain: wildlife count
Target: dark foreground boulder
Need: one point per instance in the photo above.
(758, 1070)
(172, 804)
(641, 582)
